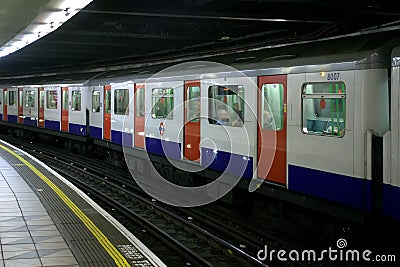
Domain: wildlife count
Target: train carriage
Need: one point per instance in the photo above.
(96, 116)
(120, 96)
(310, 124)
(78, 108)
(31, 106)
(12, 104)
(164, 118)
(54, 117)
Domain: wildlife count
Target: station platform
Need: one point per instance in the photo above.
(47, 221)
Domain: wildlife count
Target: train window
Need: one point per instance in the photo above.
(324, 108)
(96, 101)
(29, 98)
(272, 107)
(51, 99)
(41, 99)
(193, 111)
(21, 97)
(12, 98)
(108, 102)
(1, 97)
(76, 101)
(139, 102)
(65, 99)
(226, 105)
(162, 103)
(121, 102)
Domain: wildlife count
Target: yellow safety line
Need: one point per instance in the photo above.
(107, 245)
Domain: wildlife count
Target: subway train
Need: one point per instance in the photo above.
(334, 104)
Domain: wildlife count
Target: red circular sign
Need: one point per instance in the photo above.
(161, 128)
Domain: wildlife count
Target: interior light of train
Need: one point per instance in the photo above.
(51, 17)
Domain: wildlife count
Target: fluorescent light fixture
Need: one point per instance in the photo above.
(52, 16)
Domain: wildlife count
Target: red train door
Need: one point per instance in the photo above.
(5, 103)
(20, 106)
(139, 115)
(64, 109)
(192, 106)
(272, 119)
(107, 113)
(41, 107)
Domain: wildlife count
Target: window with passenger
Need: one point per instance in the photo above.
(29, 98)
(96, 101)
(76, 101)
(226, 105)
(162, 103)
(121, 102)
(51, 99)
(324, 108)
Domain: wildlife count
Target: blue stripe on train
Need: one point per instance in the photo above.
(339, 188)
(12, 118)
(391, 201)
(121, 138)
(1, 117)
(30, 121)
(77, 129)
(52, 125)
(96, 132)
(224, 161)
(164, 148)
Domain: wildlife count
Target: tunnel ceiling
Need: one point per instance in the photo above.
(123, 32)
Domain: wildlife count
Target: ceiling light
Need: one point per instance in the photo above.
(49, 15)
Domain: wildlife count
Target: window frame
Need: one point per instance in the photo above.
(169, 114)
(15, 95)
(213, 117)
(47, 99)
(115, 110)
(72, 100)
(98, 108)
(328, 96)
(33, 103)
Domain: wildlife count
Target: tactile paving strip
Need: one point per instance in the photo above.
(85, 247)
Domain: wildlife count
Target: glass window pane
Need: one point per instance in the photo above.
(96, 101)
(41, 99)
(65, 100)
(140, 102)
(12, 98)
(21, 97)
(108, 101)
(121, 102)
(29, 98)
(76, 101)
(226, 105)
(272, 107)
(193, 110)
(162, 103)
(324, 109)
(52, 99)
